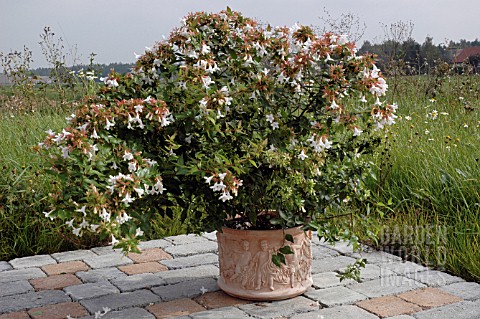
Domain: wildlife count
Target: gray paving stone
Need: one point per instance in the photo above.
(15, 287)
(108, 260)
(100, 274)
(210, 236)
(190, 261)
(328, 279)
(130, 313)
(186, 239)
(192, 249)
(156, 243)
(186, 289)
(136, 282)
(403, 268)
(459, 310)
(402, 317)
(32, 261)
(124, 300)
(386, 286)
(180, 275)
(464, 290)
(377, 257)
(372, 272)
(21, 274)
(284, 308)
(331, 264)
(90, 290)
(221, 313)
(73, 255)
(106, 250)
(5, 266)
(32, 300)
(342, 312)
(342, 247)
(320, 252)
(334, 296)
(434, 278)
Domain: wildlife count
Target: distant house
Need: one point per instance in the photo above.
(469, 55)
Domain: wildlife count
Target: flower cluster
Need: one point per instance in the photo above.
(224, 118)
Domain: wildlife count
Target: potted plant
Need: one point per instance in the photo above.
(239, 127)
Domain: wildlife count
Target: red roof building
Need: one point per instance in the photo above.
(466, 53)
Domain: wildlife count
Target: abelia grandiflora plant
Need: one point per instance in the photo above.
(224, 118)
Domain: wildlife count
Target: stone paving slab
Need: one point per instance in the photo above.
(186, 289)
(32, 300)
(32, 261)
(274, 309)
(130, 313)
(5, 266)
(21, 274)
(182, 270)
(100, 274)
(193, 248)
(180, 275)
(434, 278)
(73, 255)
(136, 282)
(341, 312)
(15, 287)
(386, 286)
(138, 298)
(221, 313)
(335, 296)
(191, 261)
(90, 290)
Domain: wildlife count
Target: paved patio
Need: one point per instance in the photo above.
(175, 277)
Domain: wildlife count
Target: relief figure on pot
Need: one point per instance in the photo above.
(263, 267)
(242, 260)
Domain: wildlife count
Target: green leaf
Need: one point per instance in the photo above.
(286, 250)
(289, 237)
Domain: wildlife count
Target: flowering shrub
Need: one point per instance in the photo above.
(226, 118)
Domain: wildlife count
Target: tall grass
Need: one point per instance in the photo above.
(433, 176)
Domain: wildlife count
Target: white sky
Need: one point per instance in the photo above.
(114, 29)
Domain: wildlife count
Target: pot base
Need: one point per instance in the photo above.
(247, 270)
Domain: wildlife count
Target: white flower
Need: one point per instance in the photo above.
(302, 155)
(105, 215)
(275, 125)
(70, 223)
(109, 124)
(218, 186)
(188, 139)
(140, 191)
(65, 152)
(225, 196)
(48, 214)
(205, 49)
(334, 105)
(132, 166)
(94, 227)
(84, 224)
(357, 131)
(127, 199)
(270, 118)
(208, 179)
(203, 290)
(138, 108)
(207, 81)
(114, 241)
(327, 144)
(94, 134)
(328, 58)
(76, 231)
(363, 99)
(139, 232)
(222, 176)
(82, 210)
(128, 156)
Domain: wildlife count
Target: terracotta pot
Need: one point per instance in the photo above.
(247, 270)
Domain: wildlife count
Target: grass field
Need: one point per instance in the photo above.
(430, 185)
